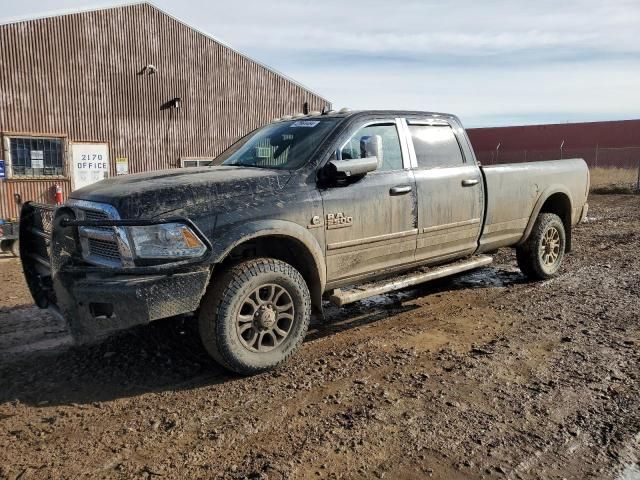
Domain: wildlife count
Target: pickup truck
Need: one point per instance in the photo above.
(336, 206)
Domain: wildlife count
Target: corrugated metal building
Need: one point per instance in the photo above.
(123, 90)
(601, 144)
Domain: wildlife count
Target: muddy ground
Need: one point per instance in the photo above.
(482, 376)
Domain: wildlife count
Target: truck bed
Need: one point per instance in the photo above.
(516, 190)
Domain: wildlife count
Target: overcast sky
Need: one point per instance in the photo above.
(491, 62)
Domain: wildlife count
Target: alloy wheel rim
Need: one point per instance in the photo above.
(550, 247)
(265, 318)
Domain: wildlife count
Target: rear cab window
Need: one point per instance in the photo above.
(435, 146)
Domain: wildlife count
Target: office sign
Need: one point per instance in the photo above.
(90, 163)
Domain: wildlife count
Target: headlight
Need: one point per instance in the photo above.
(166, 240)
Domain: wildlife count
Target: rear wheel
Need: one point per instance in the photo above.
(255, 315)
(540, 257)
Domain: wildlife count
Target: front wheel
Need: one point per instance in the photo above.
(255, 315)
(540, 257)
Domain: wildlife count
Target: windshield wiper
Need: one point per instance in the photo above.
(247, 165)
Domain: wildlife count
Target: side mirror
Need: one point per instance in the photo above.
(343, 170)
(371, 146)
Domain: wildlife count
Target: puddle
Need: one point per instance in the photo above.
(387, 298)
(630, 467)
(630, 472)
(490, 277)
(481, 278)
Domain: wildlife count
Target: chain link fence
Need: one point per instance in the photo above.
(612, 169)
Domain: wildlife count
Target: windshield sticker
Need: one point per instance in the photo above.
(305, 123)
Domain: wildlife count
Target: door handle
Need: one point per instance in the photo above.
(400, 190)
(470, 182)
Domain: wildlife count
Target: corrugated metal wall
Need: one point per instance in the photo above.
(38, 190)
(603, 144)
(77, 75)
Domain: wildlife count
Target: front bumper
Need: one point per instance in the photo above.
(97, 300)
(95, 307)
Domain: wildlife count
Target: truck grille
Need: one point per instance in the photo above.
(101, 245)
(100, 250)
(95, 215)
(104, 249)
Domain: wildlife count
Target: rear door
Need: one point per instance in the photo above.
(371, 223)
(450, 190)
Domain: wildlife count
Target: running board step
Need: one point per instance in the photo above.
(342, 297)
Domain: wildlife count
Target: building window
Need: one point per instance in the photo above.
(36, 156)
(196, 162)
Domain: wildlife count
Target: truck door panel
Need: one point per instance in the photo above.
(370, 224)
(450, 193)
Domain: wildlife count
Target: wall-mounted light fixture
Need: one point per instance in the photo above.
(149, 69)
(173, 103)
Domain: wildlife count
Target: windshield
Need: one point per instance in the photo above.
(282, 145)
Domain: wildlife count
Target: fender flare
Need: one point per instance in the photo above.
(240, 233)
(544, 196)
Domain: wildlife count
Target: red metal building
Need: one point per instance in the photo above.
(602, 144)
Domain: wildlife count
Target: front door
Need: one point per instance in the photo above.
(371, 224)
(450, 191)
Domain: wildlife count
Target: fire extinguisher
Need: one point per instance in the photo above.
(58, 196)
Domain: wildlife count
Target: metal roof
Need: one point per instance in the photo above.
(28, 18)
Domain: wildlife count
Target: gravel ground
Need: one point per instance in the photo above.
(482, 376)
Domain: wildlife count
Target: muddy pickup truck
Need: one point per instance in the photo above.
(337, 206)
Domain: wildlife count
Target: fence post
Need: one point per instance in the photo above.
(638, 181)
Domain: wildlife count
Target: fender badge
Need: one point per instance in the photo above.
(338, 220)
(316, 222)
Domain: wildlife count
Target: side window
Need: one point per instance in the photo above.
(435, 146)
(391, 152)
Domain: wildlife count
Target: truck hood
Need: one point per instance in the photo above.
(147, 195)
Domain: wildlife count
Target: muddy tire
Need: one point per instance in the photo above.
(255, 315)
(540, 257)
(15, 248)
